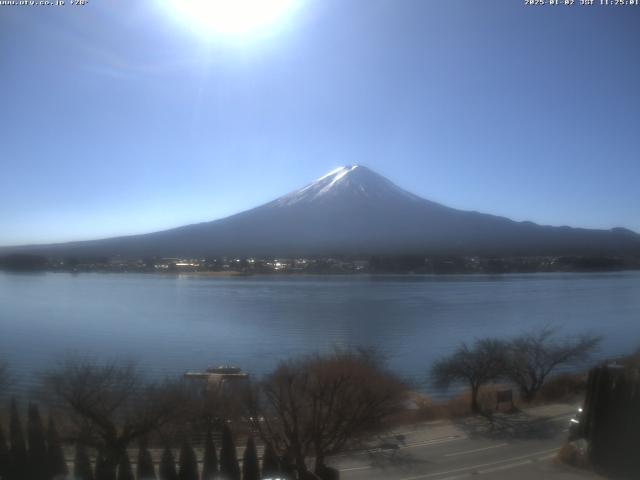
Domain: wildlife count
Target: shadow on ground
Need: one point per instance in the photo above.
(396, 460)
(515, 426)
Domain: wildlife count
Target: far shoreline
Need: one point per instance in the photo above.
(261, 275)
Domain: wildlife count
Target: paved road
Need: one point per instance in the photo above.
(522, 446)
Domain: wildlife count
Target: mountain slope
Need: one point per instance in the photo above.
(353, 210)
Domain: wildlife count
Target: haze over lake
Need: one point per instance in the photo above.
(175, 323)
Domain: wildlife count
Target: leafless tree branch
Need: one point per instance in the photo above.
(320, 405)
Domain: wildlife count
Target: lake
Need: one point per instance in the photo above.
(175, 323)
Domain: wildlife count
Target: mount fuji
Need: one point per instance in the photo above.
(355, 211)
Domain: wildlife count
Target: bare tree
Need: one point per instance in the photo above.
(322, 404)
(474, 365)
(110, 404)
(533, 356)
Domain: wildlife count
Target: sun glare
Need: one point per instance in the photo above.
(230, 17)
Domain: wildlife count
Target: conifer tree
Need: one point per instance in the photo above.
(145, 469)
(188, 463)
(250, 466)
(82, 464)
(56, 464)
(270, 462)
(287, 468)
(168, 466)
(125, 472)
(4, 455)
(37, 444)
(210, 461)
(18, 458)
(229, 468)
(103, 470)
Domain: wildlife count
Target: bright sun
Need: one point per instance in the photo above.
(230, 17)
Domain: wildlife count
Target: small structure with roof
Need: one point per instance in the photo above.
(218, 377)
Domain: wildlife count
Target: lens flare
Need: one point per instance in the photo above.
(230, 17)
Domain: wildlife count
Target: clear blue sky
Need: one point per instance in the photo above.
(115, 118)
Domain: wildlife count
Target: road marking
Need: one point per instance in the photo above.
(437, 441)
(432, 442)
(496, 469)
(471, 468)
(413, 445)
(366, 467)
(476, 450)
(513, 465)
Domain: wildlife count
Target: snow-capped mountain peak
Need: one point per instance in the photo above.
(354, 181)
(353, 211)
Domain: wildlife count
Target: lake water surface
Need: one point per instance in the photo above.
(174, 323)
